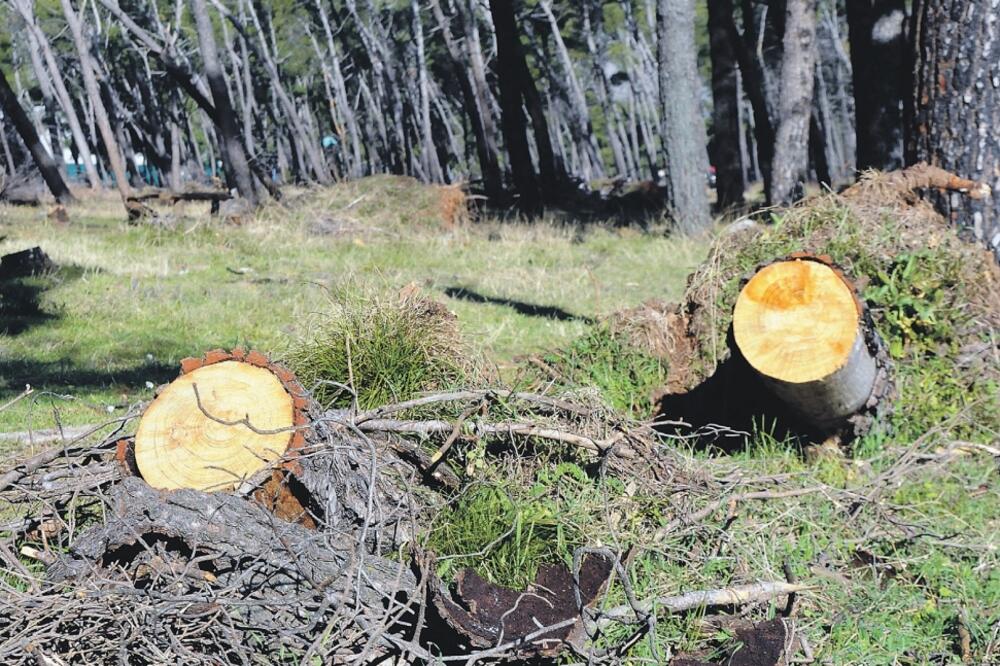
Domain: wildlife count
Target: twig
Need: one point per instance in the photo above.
(730, 596)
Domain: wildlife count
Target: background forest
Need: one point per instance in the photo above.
(533, 103)
(617, 332)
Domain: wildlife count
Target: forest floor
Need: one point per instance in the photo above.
(897, 537)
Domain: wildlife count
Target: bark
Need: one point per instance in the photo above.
(582, 131)
(879, 64)
(428, 153)
(22, 123)
(726, 129)
(101, 118)
(684, 139)
(597, 45)
(309, 148)
(468, 68)
(791, 158)
(752, 75)
(956, 106)
(230, 144)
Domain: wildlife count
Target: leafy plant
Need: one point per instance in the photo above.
(913, 300)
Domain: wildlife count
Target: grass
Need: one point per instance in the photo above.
(892, 579)
(131, 301)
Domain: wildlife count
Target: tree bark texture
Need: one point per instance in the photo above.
(791, 143)
(236, 164)
(724, 148)
(684, 138)
(956, 106)
(510, 70)
(22, 123)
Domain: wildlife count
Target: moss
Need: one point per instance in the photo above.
(504, 534)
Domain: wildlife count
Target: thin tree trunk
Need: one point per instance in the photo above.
(752, 75)
(510, 68)
(101, 118)
(230, 144)
(583, 133)
(22, 123)
(791, 156)
(311, 150)
(597, 39)
(684, 140)
(726, 130)
(428, 153)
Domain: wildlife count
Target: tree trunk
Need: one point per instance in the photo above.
(879, 64)
(583, 132)
(192, 435)
(752, 77)
(799, 324)
(684, 140)
(428, 153)
(510, 69)
(101, 118)
(46, 165)
(956, 106)
(791, 144)
(726, 131)
(230, 145)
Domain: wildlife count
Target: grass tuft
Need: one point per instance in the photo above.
(384, 350)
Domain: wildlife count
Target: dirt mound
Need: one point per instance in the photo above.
(375, 205)
(935, 298)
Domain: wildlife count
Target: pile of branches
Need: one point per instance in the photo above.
(319, 565)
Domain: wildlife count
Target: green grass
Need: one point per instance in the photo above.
(625, 375)
(131, 301)
(891, 579)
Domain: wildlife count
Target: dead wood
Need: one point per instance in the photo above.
(238, 541)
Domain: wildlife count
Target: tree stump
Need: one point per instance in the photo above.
(800, 326)
(226, 418)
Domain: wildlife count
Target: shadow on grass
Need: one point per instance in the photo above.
(21, 299)
(64, 374)
(527, 309)
(735, 400)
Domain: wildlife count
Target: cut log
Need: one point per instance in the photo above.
(218, 424)
(799, 324)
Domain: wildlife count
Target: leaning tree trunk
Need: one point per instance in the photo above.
(231, 145)
(802, 328)
(684, 140)
(50, 172)
(101, 117)
(879, 65)
(725, 146)
(791, 143)
(955, 108)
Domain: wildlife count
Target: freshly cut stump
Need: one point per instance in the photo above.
(181, 445)
(800, 326)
